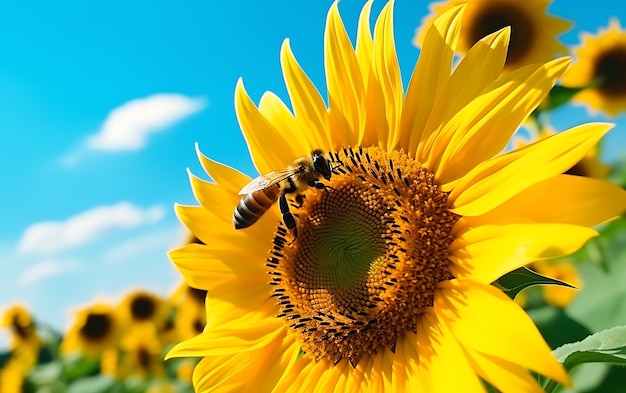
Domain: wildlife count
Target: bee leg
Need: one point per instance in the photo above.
(298, 201)
(288, 218)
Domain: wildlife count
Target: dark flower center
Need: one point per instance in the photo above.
(496, 16)
(370, 252)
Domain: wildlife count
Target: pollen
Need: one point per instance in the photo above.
(371, 249)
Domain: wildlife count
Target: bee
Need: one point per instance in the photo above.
(261, 193)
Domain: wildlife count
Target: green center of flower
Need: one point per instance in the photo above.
(369, 254)
(609, 70)
(495, 16)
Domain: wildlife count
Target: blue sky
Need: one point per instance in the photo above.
(86, 210)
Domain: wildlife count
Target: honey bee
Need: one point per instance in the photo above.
(261, 193)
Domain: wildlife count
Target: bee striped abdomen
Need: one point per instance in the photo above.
(252, 206)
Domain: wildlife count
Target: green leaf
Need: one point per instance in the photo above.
(96, 384)
(514, 282)
(76, 366)
(608, 346)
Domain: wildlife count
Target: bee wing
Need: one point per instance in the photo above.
(267, 180)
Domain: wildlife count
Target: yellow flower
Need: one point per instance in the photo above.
(533, 31)
(25, 343)
(556, 295)
(143, 308)
(600, 63)
(95, 329)
(12, 377)
(140, 354)
(387, 285)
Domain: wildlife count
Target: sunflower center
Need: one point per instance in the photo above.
(142, 308)
(96, 327)
(609, 70)
(495, 16)
(370, 251)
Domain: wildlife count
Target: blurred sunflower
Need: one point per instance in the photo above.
(143, 308)
(25, 343)
(556, 295)
(12, 377)
(94, 329)
(533, 31)
(141, 354)
(387, 285)
(600, 64)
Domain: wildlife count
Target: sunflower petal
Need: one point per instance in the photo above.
(430, 75)
(468, 309)
(493, 182)
(206, 268)
(481, 66)
(504, 375)
(483, 128)
(385, 80)
(439, 353)
(346, 90)
(486, 253)
(307, 102)
(364, 45)
(292, 129)
(228, 178)
(220, 341)
(565, 199)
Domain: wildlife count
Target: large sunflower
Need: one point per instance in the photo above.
(387, 285)
(533, 32)
(600, 62)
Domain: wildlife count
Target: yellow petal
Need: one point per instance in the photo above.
(430, 75)
(488, 252)
(364, 44)
(217, 228)
(468, 309)
(481, 66)
(562, 199)
(439, 353)
(493, 182)
(293, 130)
(244, 371)
(230, 179)
(308, 105)
(483, 128)
(220, 341)
(268, 148)
(506, 376)
(346, 90)
(205, 267)
(385, 80)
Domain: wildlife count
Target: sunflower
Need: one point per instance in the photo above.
(25, 342)
(12, 377)
(533, 31)
(143, 308)
(600, 64)
(386, 286)
(556, 295)
(140, 354)
(95, 329)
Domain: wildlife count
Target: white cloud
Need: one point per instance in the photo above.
(163, 240)
(50, 237)
(128, 126)
(45, 269)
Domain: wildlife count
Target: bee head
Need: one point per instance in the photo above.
(321, 164)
